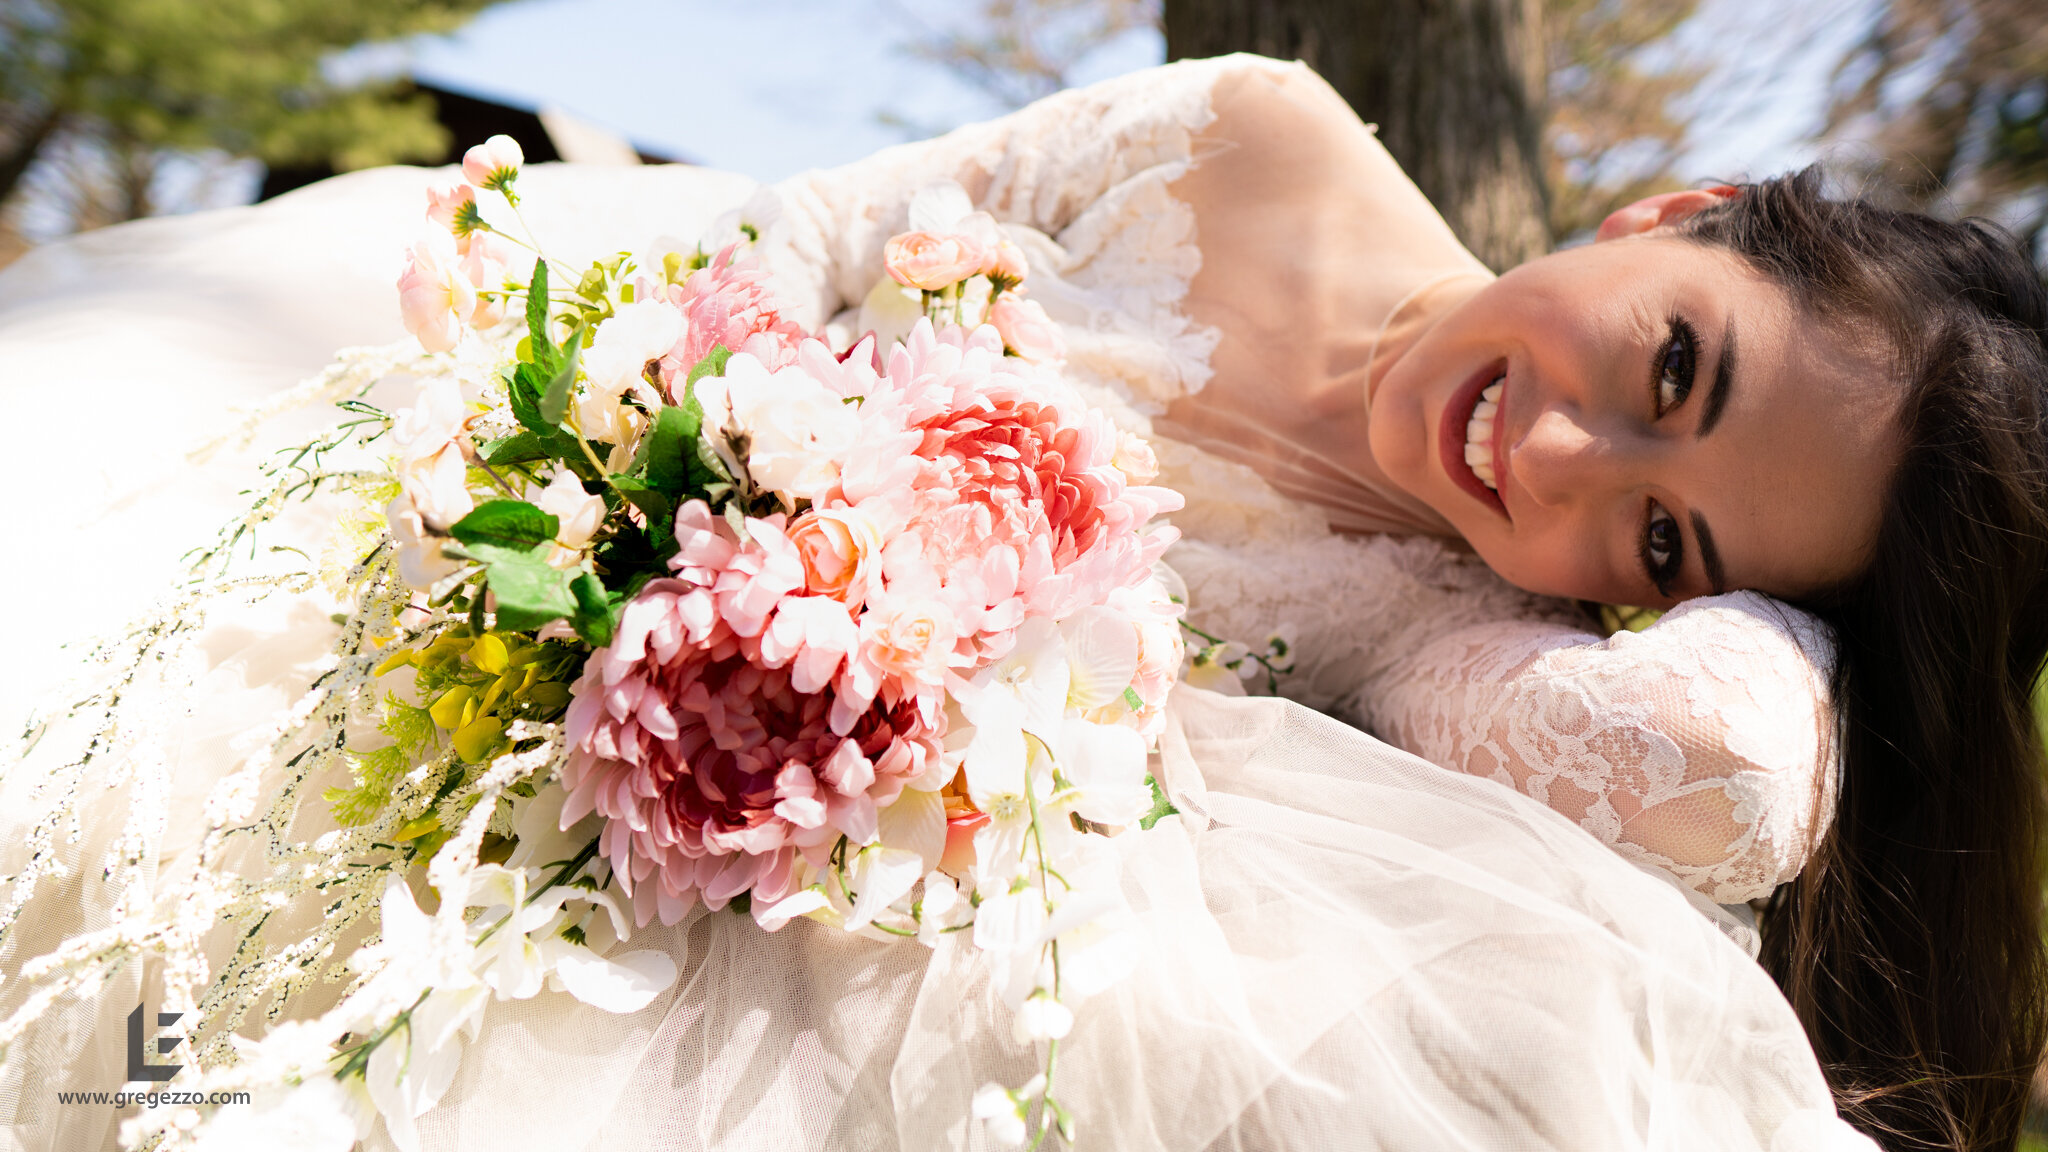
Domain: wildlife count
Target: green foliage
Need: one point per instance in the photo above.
(136, 78)
(505, 525)
(1161, 806)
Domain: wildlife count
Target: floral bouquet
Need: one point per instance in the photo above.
(670, 603)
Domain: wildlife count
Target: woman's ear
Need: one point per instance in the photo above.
(1656, 211)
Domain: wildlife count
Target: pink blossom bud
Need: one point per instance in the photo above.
(930, 261)
(452, 206)
(1005, 263)
(493, 164)
(1026, 330)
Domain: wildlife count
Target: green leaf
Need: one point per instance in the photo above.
(1133, 701)
(659, 508)
(1161, 806)
(537, 314)
(713, 364)
(530, 591)
(593, 618)
(506, 524)
(554, 401)
(671, 448)
(521, 447)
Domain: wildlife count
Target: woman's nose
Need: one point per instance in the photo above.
(1559, 459)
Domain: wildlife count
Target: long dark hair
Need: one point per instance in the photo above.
(1911, 945)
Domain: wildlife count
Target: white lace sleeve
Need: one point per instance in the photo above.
(1082, 180)
(1701, 745)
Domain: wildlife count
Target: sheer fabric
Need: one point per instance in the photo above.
(1345, 945)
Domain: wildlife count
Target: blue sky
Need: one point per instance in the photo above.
(768, 88)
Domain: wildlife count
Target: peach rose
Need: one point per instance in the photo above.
(1134, 458)
(1027, 330)
(912, 638)
(930, 261)
(841, 548)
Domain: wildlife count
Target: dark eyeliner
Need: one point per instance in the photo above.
(1682, 337)
(1665, 575)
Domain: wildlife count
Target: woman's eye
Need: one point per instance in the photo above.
(1674, 367)
(1663, 548)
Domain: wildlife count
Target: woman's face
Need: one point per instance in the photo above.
(1669, 423)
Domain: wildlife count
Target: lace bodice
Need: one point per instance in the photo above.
(1699, 746)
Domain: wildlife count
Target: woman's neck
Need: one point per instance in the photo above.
(1413, 316)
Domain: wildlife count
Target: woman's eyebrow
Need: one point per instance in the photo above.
(1717, 393)
(1710, 556)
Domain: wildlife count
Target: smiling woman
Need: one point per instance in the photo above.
(1514, 898)
(1628, 459)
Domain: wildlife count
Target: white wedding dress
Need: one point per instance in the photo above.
(1344, 944)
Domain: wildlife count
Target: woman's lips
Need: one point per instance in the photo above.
(1450, 438)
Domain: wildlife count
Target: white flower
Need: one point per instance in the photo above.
(1004, 1110)
(879, 876)
(1024, 692)
(758, 216)
(636, 333)
(1041, 1017)
(1219, 668)
(890, 311)
(614, 367)
(431, 439)
(580, 515)
(517, 952)
(1010, 927)
(941, 908)
(1102, 653)
(798, 430)
(916, 823)
(420, 562)
(1106, 764)
(537, 822)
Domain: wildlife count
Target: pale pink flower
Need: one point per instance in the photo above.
(487, 262)
(842, 553)
(930, 261)
(1027, 330)
(449, 204)
(493, 164)
(435, 296)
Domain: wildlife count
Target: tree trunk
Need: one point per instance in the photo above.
(21, 151)
(1454, 85)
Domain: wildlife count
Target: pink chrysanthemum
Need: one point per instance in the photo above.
(717, 757)
(728, 302)
(1010, 479)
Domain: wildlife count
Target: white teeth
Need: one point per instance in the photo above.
(1479, 434)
